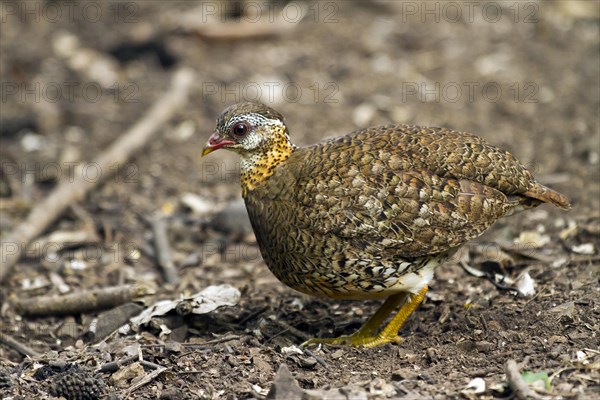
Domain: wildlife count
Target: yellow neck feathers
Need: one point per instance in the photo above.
(258, 165)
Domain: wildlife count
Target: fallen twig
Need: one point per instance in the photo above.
(163, 250)
(62, 239)
(221, 339)
(18, 346)
(151, 365)
(145, 380)
(109, 321)
(518, 386)
(288, 328)
(114, 366)
(73, 190)
(317, 358)
(81, 302)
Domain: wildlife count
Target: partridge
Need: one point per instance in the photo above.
(370, 214)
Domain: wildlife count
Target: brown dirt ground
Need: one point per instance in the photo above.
(364, 59)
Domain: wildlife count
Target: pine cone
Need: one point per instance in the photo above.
(5, 379)
(77, 384)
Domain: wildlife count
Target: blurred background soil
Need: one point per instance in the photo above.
(75, 76)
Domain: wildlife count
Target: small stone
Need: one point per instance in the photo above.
(466, 345)
(566, 309)
(291, 350)
(173, 347)
(525, 285)
(337, 354)
(126, 374)
(585, 248)
(557, 339)
(184, 130)
(533, 239)
(198, 204)
(484, 346)
(307, 362)
(431, 354)
(263, 367)
(232, 219)
(172, 393)
(476, 385)
(285, 386)
(404, 374)
(363, 114)
(32, 142)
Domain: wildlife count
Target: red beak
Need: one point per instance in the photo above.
(214, 143)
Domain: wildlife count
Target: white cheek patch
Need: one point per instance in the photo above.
(254, 119)
(251, 141)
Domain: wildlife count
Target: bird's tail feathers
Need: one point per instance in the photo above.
(540, 193)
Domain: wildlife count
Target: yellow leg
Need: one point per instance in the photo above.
(367, 335)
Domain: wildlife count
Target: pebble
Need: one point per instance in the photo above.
(363, 114)
(197, 204)
(585, 248)
(232, 219)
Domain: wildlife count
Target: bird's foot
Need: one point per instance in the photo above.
(356, 340)
(367, 336)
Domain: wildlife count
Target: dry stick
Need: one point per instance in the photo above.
(18, 346)
(109, 321)
(288, 328)
(313, 355)
(145, 380)
(81, 302)
(163, 250)
(114, 366)
(209, 343)
(519, 387)
(67, 193)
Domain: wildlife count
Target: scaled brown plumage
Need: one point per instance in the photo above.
(372, 213)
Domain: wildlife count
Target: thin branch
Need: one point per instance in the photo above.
(81, 302)
(145, 380)
(163, 250)
(74, 190)
(519, 387)
(18, 346)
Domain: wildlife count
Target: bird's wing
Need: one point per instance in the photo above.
(387, 192)
(411, 213)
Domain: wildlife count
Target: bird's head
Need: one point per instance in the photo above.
(258, 134)
(247, 129)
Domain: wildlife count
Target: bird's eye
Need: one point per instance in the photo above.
(240, 129)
